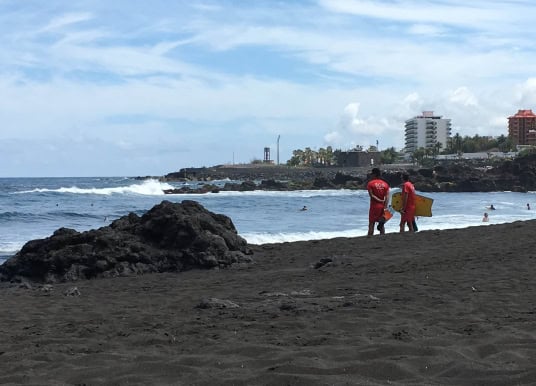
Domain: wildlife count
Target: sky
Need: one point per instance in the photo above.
(138, 88)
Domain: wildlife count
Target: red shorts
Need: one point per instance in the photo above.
(376, 212)
(408, 215)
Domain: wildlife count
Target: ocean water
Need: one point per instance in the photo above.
(32, 208)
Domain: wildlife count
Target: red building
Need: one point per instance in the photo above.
(522, 127)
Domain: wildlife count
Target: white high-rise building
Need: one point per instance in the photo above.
(426, 131)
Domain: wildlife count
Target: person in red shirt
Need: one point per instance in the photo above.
(408, 204)
(378, 191)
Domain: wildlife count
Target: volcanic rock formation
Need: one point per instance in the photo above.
(171, 237)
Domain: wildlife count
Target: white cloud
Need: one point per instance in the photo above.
(181, 84)
(350, 120)
(463, 96)
(449, 12)
(354, 130)
(526, 94)
(426, 29)
(66, 20)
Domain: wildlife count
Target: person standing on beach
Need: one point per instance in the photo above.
(378, 191)
(408, 204)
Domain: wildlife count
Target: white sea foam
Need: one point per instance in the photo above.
(290, 193)
(8, 248)
(424, 224)
(268, 238)
(148, 188)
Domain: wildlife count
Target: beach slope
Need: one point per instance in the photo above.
(450, 307)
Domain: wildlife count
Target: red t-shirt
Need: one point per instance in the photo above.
(409, 190)
(380, 189)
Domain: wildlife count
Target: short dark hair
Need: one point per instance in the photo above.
(376, 172)
(405, 176)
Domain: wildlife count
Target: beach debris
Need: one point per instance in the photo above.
(322, 262)
(303, 292)
(216, 303)
(73, 291)
(46, 288)
(273, 294)
(25, 285)
(170, 237)
(298, 293)
(400, 335)
(288, 306)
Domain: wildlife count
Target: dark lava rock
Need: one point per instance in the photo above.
(518, 175)
(171, 237)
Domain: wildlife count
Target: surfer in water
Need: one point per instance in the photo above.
(485, 218)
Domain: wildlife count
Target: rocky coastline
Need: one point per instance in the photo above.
(517, 175)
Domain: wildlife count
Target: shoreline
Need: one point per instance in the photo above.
(449, 307)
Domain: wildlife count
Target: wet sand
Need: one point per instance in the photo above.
(450, 307)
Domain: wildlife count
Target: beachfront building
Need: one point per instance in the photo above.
(427, 131)
(522, 127)
(358, 158)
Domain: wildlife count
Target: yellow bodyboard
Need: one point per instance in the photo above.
(423, 205)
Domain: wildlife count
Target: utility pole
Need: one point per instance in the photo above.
(279, 136)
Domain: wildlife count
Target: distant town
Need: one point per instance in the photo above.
(428, 139)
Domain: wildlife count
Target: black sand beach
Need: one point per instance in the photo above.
(451, 307)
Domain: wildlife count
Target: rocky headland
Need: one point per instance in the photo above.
(518, 175)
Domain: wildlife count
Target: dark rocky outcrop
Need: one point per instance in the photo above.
(205, 188)
(517, 175)
(171, 237)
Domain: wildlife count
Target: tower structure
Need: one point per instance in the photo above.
(427, 130)
(522, 127)
(278, 137)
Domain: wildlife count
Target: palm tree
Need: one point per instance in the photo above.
(437, 148)
(418, 155)
(389, 155)
(296, 159)
(320, 156)
(329, 156)
(457, 143)
(308, 156)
